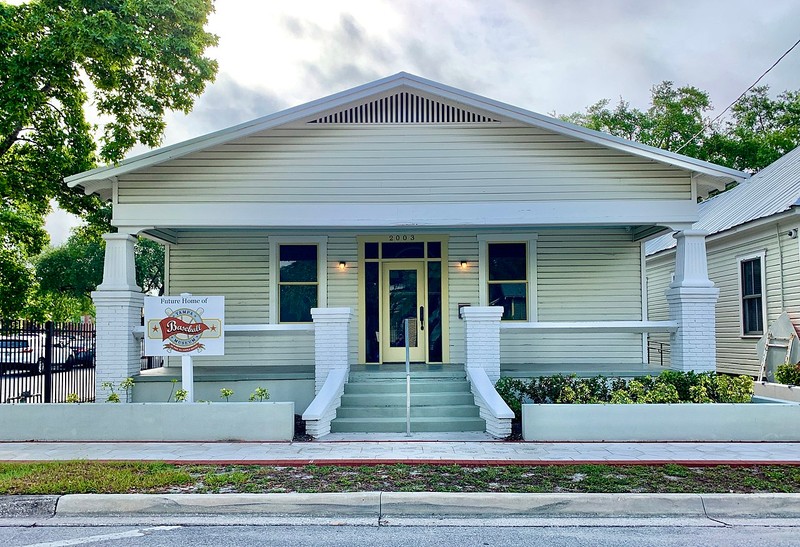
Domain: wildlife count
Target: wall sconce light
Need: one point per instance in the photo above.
(463, 264)
(342, 265)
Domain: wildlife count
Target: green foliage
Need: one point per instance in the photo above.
(225, 393)
(760, 129)
(180, 395)
(132, 61)
(668, 387)
(788, 374)
(127, 386)
(512, 391)
(73, 398)
(261, 393)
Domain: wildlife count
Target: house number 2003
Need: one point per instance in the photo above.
(398, 237)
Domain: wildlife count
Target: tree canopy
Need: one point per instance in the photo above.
(129, 60)
(759, 130)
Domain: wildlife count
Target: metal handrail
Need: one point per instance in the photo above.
(408, 378)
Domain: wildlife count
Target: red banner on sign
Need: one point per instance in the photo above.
(171, 326)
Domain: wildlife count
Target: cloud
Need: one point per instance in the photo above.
(224, 103)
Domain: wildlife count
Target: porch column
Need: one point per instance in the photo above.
(118, 302)
(692, 298)
(331, 342)
(482, 339)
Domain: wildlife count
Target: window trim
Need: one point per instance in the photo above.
(483, 270)
(761, 255)
(274, 272)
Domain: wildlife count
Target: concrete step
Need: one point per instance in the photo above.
(449, 411)
(399, 399)
(417, 386)
(358, 373)
(398, 425)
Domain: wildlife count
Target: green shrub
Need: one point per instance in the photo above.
(511, 390)
(734, 389)
(788, 374)
(668, 387)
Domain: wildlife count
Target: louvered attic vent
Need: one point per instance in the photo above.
(404, 107)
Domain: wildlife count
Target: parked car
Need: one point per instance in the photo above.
(20, 354)
(81, 358)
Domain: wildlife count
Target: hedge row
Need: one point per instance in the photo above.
(668, 387)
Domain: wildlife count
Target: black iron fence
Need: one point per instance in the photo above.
(46, 363)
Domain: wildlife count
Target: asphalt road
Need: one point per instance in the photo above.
(559, 533)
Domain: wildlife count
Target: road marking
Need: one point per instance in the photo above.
(104, 537)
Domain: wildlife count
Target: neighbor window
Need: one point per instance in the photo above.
(507, 279)
(298, 283)
(752, 292)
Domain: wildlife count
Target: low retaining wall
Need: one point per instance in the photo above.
(661, 422)
(148, 422)
(777, 391)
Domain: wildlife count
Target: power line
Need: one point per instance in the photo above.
(739, 98)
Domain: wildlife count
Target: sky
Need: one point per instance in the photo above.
(541, 55)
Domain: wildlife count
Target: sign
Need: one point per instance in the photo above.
(184, 325)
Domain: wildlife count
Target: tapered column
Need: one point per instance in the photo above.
(118, 303)
(692, 298)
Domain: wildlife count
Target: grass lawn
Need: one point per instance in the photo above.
(129, 477)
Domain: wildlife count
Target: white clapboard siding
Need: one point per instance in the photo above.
(659, 276)
(583, 275)
(405, 163)
(343, 285)
(463, 286)
(737, 354)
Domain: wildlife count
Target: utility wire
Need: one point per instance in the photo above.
(739, 98)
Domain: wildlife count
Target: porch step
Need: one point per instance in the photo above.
(398, 425)
(375, 402)
(417, 386)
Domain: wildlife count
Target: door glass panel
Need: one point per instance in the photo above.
(402, 305)
(434, 311)
(372, 312)
(403, 250)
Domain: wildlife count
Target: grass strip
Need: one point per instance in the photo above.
(153, 477)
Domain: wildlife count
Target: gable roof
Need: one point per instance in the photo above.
(773, 190)
(99, 178)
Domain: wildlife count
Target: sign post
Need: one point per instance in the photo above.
(184, 325)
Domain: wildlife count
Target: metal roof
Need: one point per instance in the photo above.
(93, 180)
(773, 190)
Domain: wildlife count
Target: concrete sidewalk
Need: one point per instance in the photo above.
(417, 450)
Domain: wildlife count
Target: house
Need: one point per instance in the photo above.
(514, 242)
(753, 258)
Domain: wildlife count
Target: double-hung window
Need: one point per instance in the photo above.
(508, 276)
(751, 290)
(298, 279)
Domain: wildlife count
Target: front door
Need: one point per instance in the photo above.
(403, 298)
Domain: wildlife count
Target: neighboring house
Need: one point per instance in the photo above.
(753, 258)
(513, 239)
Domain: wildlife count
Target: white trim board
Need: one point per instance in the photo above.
(412, 215)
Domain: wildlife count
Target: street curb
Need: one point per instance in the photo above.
(27, 506)
(398, 505)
